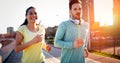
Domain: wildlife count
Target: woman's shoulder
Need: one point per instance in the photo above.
(22, 27)
(39, 25)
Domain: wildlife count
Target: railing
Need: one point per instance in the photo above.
(7, 47)
(110, 46)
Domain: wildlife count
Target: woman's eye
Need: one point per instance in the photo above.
(35, 13)
(32, 13)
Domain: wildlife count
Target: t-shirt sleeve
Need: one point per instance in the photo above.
(58, 41)
(21, 29)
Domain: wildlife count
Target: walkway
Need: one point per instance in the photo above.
(15, 58)
(50, 58)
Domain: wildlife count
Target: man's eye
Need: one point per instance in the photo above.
(75, 8)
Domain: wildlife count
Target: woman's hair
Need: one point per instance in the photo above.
(73, 2)
(26, 22)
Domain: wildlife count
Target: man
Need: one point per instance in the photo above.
(71, 35)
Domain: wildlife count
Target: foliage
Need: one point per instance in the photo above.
(49, 41)
(106, 54)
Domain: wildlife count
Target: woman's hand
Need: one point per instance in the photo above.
(48, 48)
(37, 38)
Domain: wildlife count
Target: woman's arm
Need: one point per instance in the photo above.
(18, 42)
(19, 46)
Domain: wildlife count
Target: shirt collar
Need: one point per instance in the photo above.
(73, 21)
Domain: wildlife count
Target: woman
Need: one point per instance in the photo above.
(30, 39)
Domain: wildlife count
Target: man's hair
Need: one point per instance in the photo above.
(73, 2)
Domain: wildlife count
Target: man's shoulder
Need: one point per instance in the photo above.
(85, 24)
(64, 22)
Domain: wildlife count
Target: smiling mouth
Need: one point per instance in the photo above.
(33, 18)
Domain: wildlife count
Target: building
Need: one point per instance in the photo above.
(116, 13)
(10, 30)
(116, 16)
(88, 10)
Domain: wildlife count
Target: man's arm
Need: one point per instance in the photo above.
(59, 37)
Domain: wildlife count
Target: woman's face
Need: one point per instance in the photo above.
(31, 15)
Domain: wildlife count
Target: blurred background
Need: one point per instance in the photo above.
(103, 17)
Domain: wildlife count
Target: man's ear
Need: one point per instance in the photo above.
(70, 14)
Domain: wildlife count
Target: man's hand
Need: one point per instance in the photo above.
(86, 53)
(78, 42)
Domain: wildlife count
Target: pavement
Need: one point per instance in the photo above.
(103, 59)
(51, 58)
(16, 58)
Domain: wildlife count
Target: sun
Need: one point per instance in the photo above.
(106, 20)
(103, 12)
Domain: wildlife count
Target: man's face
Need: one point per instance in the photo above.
(76, 11)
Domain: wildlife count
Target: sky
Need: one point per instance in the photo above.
(50, 12)
(104, 12)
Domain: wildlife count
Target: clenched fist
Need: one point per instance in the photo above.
(48, 47)
(78, 42)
